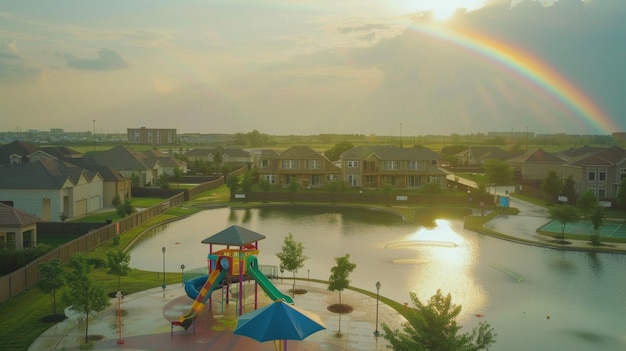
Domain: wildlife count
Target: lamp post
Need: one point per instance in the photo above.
(119, 317)
(94, 135)
(163, 286)
(281, 274)
(376, 332)
(182, 274)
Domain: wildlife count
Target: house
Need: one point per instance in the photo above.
(131, 163)
(601, 172)
(231, 156)
(50, 189)
(168, 162)
(18, 152)
(534, 165)
(377, 166)
(18, 229)
(477, 155)
(308, 167)
(114, 183)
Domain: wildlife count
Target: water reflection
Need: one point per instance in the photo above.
(514, 286)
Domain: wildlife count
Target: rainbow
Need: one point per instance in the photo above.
(530, 68)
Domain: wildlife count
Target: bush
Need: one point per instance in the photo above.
(11, 259)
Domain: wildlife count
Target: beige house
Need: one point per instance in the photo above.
(308, 167)
(601, 172)
(378, 166)
(18, 229)
(534, 165)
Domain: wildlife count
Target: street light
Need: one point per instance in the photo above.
(163, 286)
(94, 135)
(376, 332)
(182, 274)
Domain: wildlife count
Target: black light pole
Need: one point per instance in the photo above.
(376, 332)
(163, 286)
(182, 274)
(94, 135)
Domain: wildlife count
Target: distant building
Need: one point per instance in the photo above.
(151, 136)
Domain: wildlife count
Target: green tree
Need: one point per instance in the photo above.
(246, 182)
(51, 280)
(232, 182)
(564, 214)
(597, 220)
(433, 327)
(333, 153)
(293, 186)
(163, 181)
(118, 263)
(498, 172)
(82, 293)
(292, 257)
(134, 180)
(178, 175)
(265, 186)
(551, 185)
(569, 189)
(339, 274)
(339, 277)
(587, 202)
(621, 194)
(333, 187)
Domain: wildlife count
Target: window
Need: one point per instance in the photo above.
(601, 193)
(289, 164)
(265, 163)
(413, 181)
(314, 180)
(433, 162)
(314, 164)
(602, 176)
(413, 165)
(331, 177)
(591, 176)
(353, 180)
(434, 179)
(270, 178)
(353, 164)
(390, 165)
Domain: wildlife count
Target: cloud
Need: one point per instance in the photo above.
(363, 28)
(107, 60)
(13, 68)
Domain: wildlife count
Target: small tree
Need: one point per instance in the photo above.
(293, 186)
(564, 214)
(433, 327)
(178, 175)
(118, 262)
(51, 280)
(621, 194)
(163, 181)
(597, 220)
(335, 152)
(551, 185)
(498, 172)
(246, 182)
(232, 182)
(291, 257)
(569, 189)
(339, 274)
(82, 292)
(333, 187)
(587, 203)
(265, 186)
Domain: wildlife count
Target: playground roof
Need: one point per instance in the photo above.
(235, 236)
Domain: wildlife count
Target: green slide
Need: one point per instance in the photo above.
(264, 283)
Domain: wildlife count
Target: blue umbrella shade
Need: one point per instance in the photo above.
(278, 321)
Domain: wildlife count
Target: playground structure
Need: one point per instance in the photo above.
(233, 265)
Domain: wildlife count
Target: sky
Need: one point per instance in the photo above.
(306, 67)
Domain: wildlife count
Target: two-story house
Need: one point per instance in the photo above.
(302, 164)
(130, 162)
(534, 165)
(601, 172)
(378, 166)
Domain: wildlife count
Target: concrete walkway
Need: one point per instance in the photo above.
(146, 323)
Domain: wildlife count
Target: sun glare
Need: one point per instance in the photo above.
(440, 10)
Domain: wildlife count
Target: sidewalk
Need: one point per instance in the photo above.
(146, 325)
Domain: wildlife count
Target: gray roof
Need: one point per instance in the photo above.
(301, 153)
(125, 159)
(45, 174)
(21, 148)
(11, 217)
(390, 153)
(234, 236)
(537, 156)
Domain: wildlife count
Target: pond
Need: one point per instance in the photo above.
(535, 298)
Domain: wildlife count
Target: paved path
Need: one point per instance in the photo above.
(146, 325)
